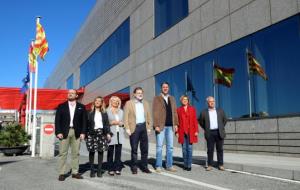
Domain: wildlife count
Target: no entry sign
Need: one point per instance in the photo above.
(48, 129)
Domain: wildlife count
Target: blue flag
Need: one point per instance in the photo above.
(190, 87)
(25, 81)
(24, 88)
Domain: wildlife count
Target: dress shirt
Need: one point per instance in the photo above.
(213, 119)
(139, 110)
(166, 97)
(72, 106)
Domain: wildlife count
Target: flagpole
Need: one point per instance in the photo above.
(213, 80)
(30, 104)
(26, 115)
(185, 78)
(34, 112)
(34, 104)
(249, 85)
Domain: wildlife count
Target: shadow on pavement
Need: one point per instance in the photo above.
(9, 162)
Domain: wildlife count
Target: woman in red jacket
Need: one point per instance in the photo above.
(187, 132)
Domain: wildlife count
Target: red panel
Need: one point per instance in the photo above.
(10, 98)
(47, 99)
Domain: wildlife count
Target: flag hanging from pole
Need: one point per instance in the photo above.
(24, 88)
(223, 75)
(32, 59)
(40, 43)
(255, 67)
(190, 87)
(25, 81)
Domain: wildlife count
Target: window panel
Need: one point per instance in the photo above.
(202, 77)
(70, 82)
(276, 48)
(112, 51)
(168, 13)
(234, 100)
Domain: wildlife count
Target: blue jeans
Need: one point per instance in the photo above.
(187, 152)
(167, 133)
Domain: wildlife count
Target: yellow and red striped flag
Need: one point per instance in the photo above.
(31, 58)
(255, 67)
(40, 43)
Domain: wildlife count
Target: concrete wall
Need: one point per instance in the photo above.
(276, 136)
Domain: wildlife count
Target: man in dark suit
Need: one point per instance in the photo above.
(70, 129)
(213, 122)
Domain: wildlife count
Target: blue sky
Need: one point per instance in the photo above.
(61, 20)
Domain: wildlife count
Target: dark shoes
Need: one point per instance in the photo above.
(77, 176)
(187, 168)
(143, 169)
(147, 171)
(92, 174)
(61, 178)
(99, 173)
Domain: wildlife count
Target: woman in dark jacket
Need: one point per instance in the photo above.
(98, 134)
(187, 132)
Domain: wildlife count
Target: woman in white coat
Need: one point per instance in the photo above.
(115, 117)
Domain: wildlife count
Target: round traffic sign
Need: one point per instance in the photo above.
(48, 129)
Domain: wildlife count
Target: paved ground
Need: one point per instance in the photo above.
(24, 172)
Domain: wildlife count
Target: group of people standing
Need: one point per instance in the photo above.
(104, 130)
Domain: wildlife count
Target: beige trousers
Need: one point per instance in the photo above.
(64, 145)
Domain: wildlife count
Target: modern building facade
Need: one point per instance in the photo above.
(129, 43)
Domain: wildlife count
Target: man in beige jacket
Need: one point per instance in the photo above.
(165, 121)
(137, 122)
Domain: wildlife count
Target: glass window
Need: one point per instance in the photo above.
(180, 81)
(234, 100)
(275, 48)
(112, 51)
(70, 82)
(168, 13)
(202, 78)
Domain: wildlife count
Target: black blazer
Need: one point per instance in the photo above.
(62, 120)
(91, 123)
(205, 123)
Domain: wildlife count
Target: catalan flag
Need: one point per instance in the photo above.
(255, 67)
(40, 43)
(32, 59)
(223, 75)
